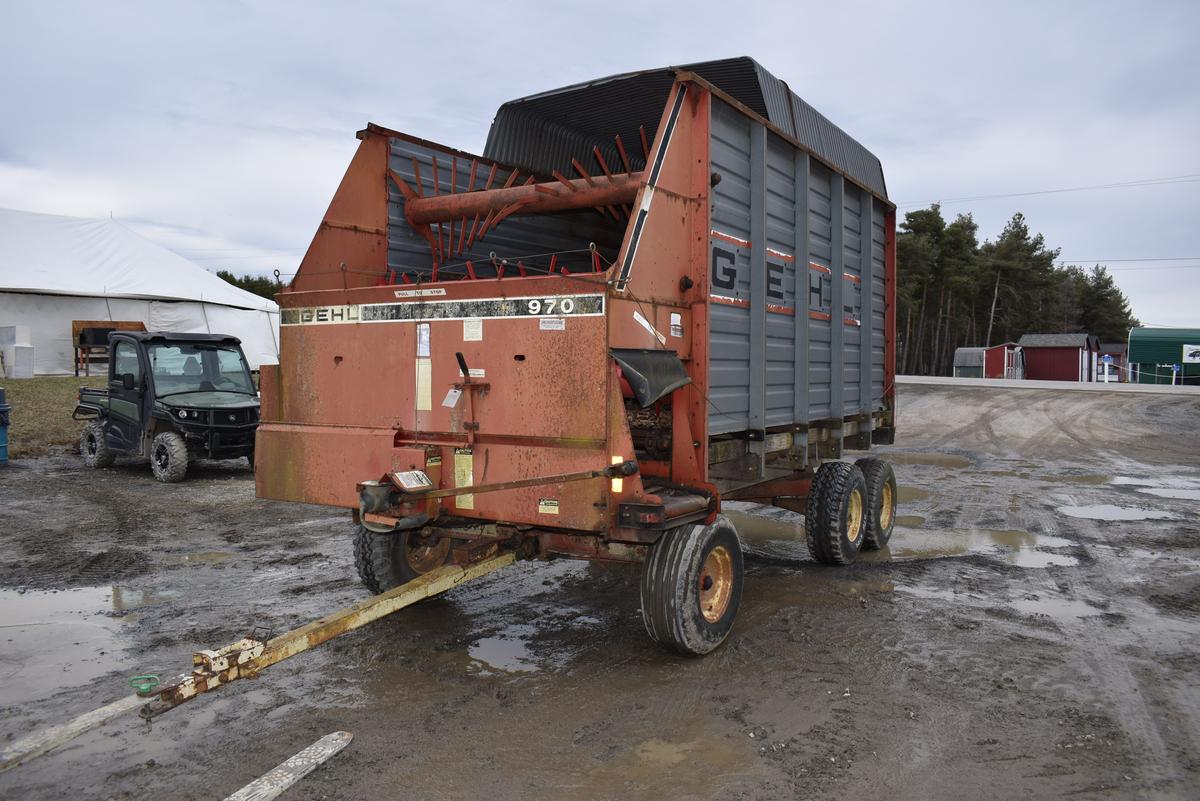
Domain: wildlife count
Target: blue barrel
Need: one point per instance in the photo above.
(5, 410)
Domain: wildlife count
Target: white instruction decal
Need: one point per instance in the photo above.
(420, 293)
(473, 329)
(424, 385)
(644, 323)
(548, 506)
(464, 476)
(552, 324)
(676, 324)
(423, 340)
(452, 396)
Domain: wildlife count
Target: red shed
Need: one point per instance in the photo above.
(1060, 357)
(1004, 361)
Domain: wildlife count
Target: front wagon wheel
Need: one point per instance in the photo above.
(692, 587)
(168, 457)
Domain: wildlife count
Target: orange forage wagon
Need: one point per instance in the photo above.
(653, 292)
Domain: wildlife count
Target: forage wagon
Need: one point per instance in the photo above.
(651, 293)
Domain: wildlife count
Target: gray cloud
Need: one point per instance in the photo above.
(222, 129)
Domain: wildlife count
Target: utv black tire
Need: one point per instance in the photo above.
(692, 587)
(881, 502)
(385, 561)
(834, 518)
(168, 457)
(94, 447)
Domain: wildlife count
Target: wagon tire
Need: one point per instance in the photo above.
(834, 518)
(881, 503)
(692, 586)
(94, 446)
(386, 561)
(168, 457)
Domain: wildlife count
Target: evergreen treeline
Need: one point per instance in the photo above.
(955, 292)
(258, 284)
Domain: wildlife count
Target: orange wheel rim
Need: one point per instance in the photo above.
(716, 584)
(423, 558)
(854, 516)
(888, 511)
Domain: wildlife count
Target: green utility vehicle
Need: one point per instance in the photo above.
(171, 398)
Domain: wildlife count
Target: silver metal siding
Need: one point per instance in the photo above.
(729, 338)
(820, 251)
(846, 313)
(783, 210)
(878, 302)
(780, 367)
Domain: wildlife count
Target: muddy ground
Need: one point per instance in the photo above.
(1034, 632)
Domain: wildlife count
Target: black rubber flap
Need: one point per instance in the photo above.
(652, 374)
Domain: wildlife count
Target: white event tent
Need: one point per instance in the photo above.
(57, 269)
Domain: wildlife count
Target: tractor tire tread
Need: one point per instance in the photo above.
(103, 457)
(877, 473)
(177, 462)
(667, 595)
(823, 513)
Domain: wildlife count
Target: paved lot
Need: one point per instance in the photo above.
(1033, 633)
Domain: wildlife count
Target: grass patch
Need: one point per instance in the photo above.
(41, 413)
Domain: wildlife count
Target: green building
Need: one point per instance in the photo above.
(1164, 355)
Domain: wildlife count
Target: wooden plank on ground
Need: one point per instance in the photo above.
(292, 770)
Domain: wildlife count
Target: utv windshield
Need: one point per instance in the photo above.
(197, 367)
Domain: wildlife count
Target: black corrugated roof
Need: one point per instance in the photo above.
(543, 132)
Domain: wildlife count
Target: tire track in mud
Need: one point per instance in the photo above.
(1107, 638)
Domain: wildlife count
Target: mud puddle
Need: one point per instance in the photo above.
(1165, 482)
(1020, 548)
(1093, 480)
(1110, 512)
(1167, 492)
(202, 558)
(639, 772)
(906, 494)
(58, 639)
(1181, 488)
(1062, 610)
(777, 533)
(948, 460)
(509, 652)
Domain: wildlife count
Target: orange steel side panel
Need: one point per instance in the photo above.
(355, 391)
(673, 247)
(360, 391)
(354, 230)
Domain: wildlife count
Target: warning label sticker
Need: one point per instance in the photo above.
(548, 506)
(464, 469)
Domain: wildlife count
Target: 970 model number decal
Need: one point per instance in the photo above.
(429, 310)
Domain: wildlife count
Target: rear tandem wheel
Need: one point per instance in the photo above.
(692, 586)
(881, 502)
(836, 512)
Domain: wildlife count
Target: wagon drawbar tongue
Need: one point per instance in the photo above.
(247, 657)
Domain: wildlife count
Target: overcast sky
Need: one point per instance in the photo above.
(222, 131)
